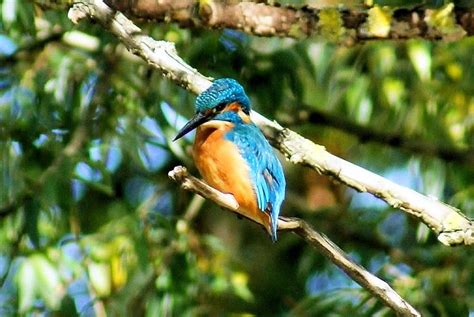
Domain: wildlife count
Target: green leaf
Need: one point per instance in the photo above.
(31, 225)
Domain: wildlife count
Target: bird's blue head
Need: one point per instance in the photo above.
(224, 95)
(222, 92)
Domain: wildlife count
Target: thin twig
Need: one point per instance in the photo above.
(319, 241)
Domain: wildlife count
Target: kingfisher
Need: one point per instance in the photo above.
(233, 156)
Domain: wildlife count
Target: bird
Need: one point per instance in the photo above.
(232, 154)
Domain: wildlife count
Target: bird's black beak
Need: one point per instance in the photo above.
(192, 124)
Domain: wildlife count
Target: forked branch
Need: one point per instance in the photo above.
(319, 241)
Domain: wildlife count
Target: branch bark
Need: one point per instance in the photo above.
(319, 241)
(274, 19)
(368, 134)
(450, 225)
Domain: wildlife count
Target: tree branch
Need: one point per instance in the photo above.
(329, 249)
(451, 226)
(368, 134)
(274, 19)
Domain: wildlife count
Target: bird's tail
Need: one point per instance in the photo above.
(274, 223)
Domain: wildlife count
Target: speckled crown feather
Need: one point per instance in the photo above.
(224, 90)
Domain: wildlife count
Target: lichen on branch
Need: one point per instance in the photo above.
(346, 25)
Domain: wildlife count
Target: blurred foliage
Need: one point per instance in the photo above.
(90, 223)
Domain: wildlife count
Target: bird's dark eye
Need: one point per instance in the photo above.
(220, 106)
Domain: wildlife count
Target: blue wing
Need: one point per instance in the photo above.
(265, 169)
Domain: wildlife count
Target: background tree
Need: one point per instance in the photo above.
(91, 224)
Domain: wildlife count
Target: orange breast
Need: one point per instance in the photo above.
(221, 165)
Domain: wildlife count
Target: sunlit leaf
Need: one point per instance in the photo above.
(100, 278)
(27, 285)
(420, 56)
(379, 21)
(433, 178)
(239, 282)
(9, 10)
(118, 272)
(49, 286)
